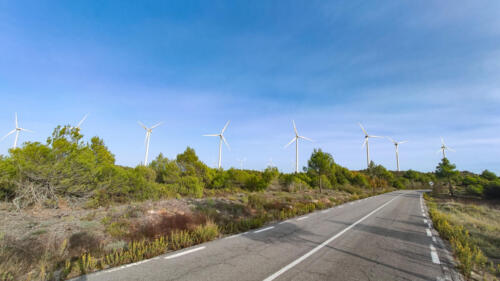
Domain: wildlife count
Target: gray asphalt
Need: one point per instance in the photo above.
(384, 237)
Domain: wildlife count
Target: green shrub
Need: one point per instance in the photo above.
(476, 189)
(204, 233)
(492, 190)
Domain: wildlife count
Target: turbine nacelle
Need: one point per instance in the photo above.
(296, 140)
(444, 147)
(147, 138)
(222, 139)
(16, 130)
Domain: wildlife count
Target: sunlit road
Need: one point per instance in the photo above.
(387, 237)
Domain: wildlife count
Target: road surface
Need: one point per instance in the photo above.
(386, 237)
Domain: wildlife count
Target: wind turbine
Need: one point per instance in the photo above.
(444, 147)
(81, 122)
(396, 144)
(221, 139)
(296, 140)
(242, 161)
(367, 136)
(148, 136)
(17, 130)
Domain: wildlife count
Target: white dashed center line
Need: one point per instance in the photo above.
(185, 253)
(264, 229)
(317, 248)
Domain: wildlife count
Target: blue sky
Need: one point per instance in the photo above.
(405, 69)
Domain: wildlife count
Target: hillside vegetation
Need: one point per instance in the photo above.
(68, 209)
(68, 168)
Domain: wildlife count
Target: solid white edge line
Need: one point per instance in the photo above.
(434, 239)
(317, 248)
(325, 211)
(185, 253)
(264, 229)
(428, 232)
(302, 218)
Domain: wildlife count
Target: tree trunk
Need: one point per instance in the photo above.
(450, 187)
(320, 187)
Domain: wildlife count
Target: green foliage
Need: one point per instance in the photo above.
(167, 171)
(379, 171)
(190, 186)
(492, 189)
(446, 170)
(474, 189)
(321, 168)
(488, 175)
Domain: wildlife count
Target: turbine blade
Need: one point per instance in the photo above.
(295, 128)
(213, 135)
(364, 143)
(225, 127)
(393, 141)
(302, 137)
(26, 130)
(224, 139)
(363, 128)
(442, 141)
(375, 136)
(81, 122)
(8, 134)
(156, 125)
(403, 142)
(290, 142)
(17, 126)
(450, 149)
(142, 125)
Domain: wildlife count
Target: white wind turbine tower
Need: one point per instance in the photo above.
(221, 139)
(296, 140)
(396, 144)
(270, 163)
(148, 136)
(242, 161)
(444, 147)
(367, 136)
(17, 130)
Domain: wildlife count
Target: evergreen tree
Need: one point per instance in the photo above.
(447, 171)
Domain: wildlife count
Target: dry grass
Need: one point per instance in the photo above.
(482, 222)
(46, 244)
(473, 229)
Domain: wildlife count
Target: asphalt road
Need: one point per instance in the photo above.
(386, 237)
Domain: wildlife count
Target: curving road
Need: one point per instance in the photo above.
(386, 237)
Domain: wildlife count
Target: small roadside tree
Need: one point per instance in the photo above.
(447, 171)
(320, 166)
